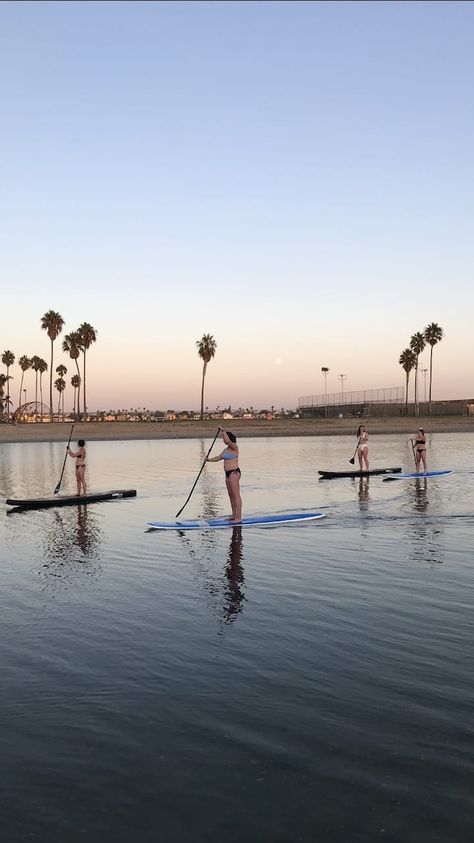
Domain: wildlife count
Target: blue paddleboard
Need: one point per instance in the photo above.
(417, 475)
(222, 523)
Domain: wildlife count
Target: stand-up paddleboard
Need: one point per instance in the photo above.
(330, 475)
(417, 475)
(70, 500)
(222, 523)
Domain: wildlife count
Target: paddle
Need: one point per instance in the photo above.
(352, 461)
(413, 449)
(200, 472)
(64, 463)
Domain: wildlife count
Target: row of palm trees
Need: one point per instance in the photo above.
(409, 358)
(74, 343)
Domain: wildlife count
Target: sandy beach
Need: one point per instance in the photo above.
(94, 431)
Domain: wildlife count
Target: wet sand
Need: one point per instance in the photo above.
(94, 431)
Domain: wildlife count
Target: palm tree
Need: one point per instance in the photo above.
(87, 335)
(52, 322)
(62, 370)
(25, 364)
(206, 347)
(433, 334)
(8, 359)
(407, 361)
(417, 345)
(36, 365)
(72, 346)
(3, 380)
(76, 382)
(60, 385)
(42, 368)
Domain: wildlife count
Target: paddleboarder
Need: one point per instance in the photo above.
(420, 449)
(363, 447)
(230, 456)
(80, 457)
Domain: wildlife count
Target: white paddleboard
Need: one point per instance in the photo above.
(417, 475)
(250, 521)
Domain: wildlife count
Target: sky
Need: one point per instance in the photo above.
(295, 179)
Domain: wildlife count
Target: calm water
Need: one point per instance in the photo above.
(308, 683)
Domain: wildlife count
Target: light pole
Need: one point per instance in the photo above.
(342, 378)
(325, 371)
(424, 372)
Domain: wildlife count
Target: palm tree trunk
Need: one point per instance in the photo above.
(431, 373)
(84, 388)
(51, 385)
(21, 386)
(416, 387)
(202, 388)
(36, 396)
(406, 393)
(41, 393)
(79, 387)
(8, 394)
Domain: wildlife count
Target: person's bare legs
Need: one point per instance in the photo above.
(365, 456)
(359, 454)
(81, 481)
(233, 487)
(423, 457)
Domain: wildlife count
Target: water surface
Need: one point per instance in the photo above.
(308, 683)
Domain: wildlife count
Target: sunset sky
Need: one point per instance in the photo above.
(294, 178)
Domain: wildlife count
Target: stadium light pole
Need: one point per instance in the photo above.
(325, 371)
(424, 372)
(342, 378)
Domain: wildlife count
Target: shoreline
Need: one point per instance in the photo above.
(103, 431)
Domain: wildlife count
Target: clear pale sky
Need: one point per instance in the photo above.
(294, 178)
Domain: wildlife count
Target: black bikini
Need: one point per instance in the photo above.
(232, 471)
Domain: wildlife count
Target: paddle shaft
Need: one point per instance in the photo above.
(200, 472)
(355, 452)
(413, 449)
(64, 463)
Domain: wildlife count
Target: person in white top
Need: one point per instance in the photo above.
(363, 448)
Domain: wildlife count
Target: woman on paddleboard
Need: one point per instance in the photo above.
(230, 456)
(420, 449)
(80, 457)
(363, 448)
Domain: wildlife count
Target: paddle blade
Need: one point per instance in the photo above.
(57, 488)
(352, 460)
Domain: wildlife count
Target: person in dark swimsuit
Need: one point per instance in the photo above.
(420, 449)
(230, 457)
(80, 457)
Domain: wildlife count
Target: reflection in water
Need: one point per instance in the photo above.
(421, 498)
(426, 536)
(363, 493)
(235, 577)
(72, 539)
(222, 587)
(211, 500)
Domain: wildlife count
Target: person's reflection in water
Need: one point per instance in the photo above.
(85, 537)
(73, 539)
(426, 536)
(234, 595)
(363, 493)
(421, 498)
